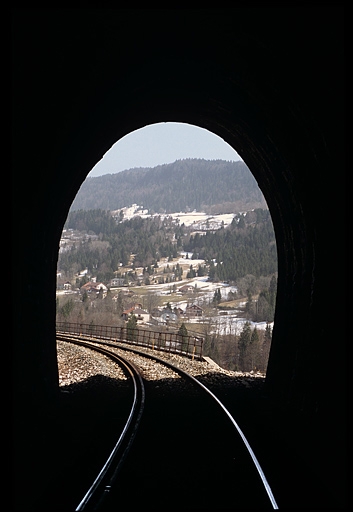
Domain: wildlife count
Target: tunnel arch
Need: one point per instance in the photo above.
(258, 150)
(270, 82)
(228, 110)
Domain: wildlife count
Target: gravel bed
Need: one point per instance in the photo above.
(202, 370)
(77, 364)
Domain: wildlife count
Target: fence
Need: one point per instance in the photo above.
(190, 346)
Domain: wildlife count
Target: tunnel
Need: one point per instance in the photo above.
(269, 81)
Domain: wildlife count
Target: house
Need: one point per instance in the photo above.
(67, 285)
(168, 316)
(193, 311)
(93, 287)
(126, 313)
(140, 314)
(117, 281)
(186, 288)
(133, 305)
(131, 308)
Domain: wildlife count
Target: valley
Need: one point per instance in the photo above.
(169, 291)
(183, 246)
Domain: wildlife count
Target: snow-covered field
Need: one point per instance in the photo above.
(200, 283)
(198, 220)
(230, 324)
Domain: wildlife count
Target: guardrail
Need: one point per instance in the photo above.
(190, 346)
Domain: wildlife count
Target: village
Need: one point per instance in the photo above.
(168, 303)
(172, 293)
(177, 299)
(176, 292)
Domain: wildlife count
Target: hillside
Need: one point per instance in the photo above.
(215, 186)
(245, 246)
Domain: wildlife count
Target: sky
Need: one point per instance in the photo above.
(163, 143)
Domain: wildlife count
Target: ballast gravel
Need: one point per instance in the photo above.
(77, 364)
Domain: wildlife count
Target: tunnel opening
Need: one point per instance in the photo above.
(229, 333)
(183, 268)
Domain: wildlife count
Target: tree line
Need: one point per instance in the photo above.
(247, 246)
(148, 239)
(180, 186)
(246, 351)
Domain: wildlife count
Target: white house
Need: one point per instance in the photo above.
(93, 287)
(141, 315)
(117, 281)
(168, 317)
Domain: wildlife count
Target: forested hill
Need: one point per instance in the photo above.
(214, 186)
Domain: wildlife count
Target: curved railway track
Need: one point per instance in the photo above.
(189, 453)
(96, 493)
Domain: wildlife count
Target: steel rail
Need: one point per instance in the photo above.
(235, 424)
(102, 484)
(250, 451)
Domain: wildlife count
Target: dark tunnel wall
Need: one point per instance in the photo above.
(267, 80)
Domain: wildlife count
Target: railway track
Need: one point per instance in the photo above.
(189, 452)
(95, 495)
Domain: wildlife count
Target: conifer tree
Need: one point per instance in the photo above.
(67, 308)
(131, 327)
(255, 349)
(266, 345)
(243, 344)
(183, 330)
(217, 297)
(255, 336)
(273, 292)
(268, 334)
(183, 333)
